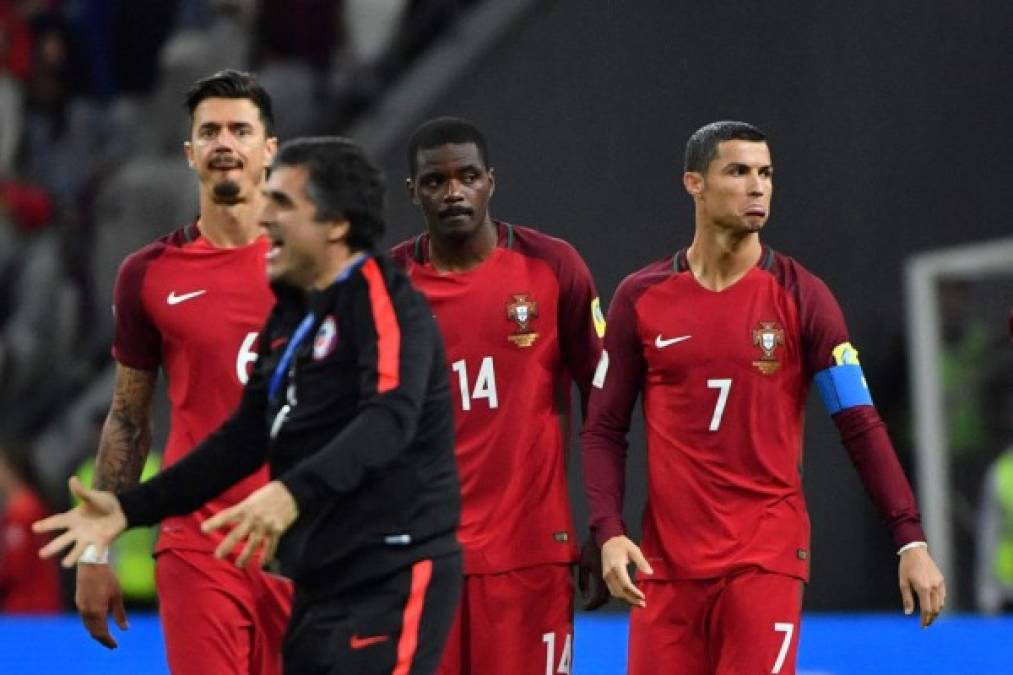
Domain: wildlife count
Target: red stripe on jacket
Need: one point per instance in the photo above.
(388, 333)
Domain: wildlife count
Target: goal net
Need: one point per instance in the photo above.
(958, 304)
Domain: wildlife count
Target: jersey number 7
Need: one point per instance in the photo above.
(723, 386)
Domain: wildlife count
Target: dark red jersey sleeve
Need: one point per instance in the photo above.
(862, 430)
(581, 322)
(616, 383)
(579, 319)
(137, 342)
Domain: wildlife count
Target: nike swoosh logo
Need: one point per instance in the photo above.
(361, 643)
(661, 344)
(174, 299)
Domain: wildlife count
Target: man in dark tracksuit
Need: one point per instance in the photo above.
(349, 403)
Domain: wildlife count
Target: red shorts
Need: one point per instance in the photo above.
(744, 624)
(513, 623)
(218, 618)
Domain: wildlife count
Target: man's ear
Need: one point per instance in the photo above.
(188, 151)
(693, 182)
(270, 150)
(412, 194)
(338, 230)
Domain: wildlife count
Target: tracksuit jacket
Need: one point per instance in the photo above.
(349, 403)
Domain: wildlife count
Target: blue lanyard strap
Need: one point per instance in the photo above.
(286, 358)
(300, 333)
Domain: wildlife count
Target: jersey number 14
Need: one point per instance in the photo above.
(485, 383)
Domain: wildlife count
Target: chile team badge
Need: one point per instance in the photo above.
(326, 339)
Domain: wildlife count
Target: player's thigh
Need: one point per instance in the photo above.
(206, 615)
(397, 625)
(755, 625)
(272, 600)
(519, 622)
(669, 635)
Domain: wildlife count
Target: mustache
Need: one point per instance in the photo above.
(225, 161)
(456, 211)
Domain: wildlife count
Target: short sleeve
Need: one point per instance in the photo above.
(137, 342)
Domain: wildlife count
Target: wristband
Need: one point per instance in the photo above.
(91, 556)
(911, 545)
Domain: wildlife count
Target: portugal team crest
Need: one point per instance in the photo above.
(768, 336)
(326, 339)
(522, 311)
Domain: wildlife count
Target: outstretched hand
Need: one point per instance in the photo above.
(918, 573)
(260, 520)
(97, 521)
(616, 555)
(592, 586)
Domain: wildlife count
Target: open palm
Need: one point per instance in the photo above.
(97, 520)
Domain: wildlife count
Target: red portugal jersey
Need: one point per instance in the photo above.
(519, 329)
(195, 310)
(724, 378)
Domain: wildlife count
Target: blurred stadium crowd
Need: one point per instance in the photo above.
(92, 168)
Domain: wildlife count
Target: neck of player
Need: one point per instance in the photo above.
(460, 254)
(719, 258)
(338, 259)
(230, 225)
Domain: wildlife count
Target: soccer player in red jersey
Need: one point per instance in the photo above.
(521, 320)
(722, 340)
(192, 303)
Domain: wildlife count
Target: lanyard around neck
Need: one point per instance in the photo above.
(300, 333)
(286, 358)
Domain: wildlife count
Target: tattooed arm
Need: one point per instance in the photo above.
(123, 449)
(126, 434)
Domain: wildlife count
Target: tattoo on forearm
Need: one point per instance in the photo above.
(126, 434)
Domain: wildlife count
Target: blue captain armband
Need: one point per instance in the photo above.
(842, 387)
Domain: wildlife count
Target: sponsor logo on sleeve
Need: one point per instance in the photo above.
(599, 373)
(598, 317)
(845, 355)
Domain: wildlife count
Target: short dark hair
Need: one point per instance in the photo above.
(232, 84)
(342, 182)
(702, 146)
(441, 131)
